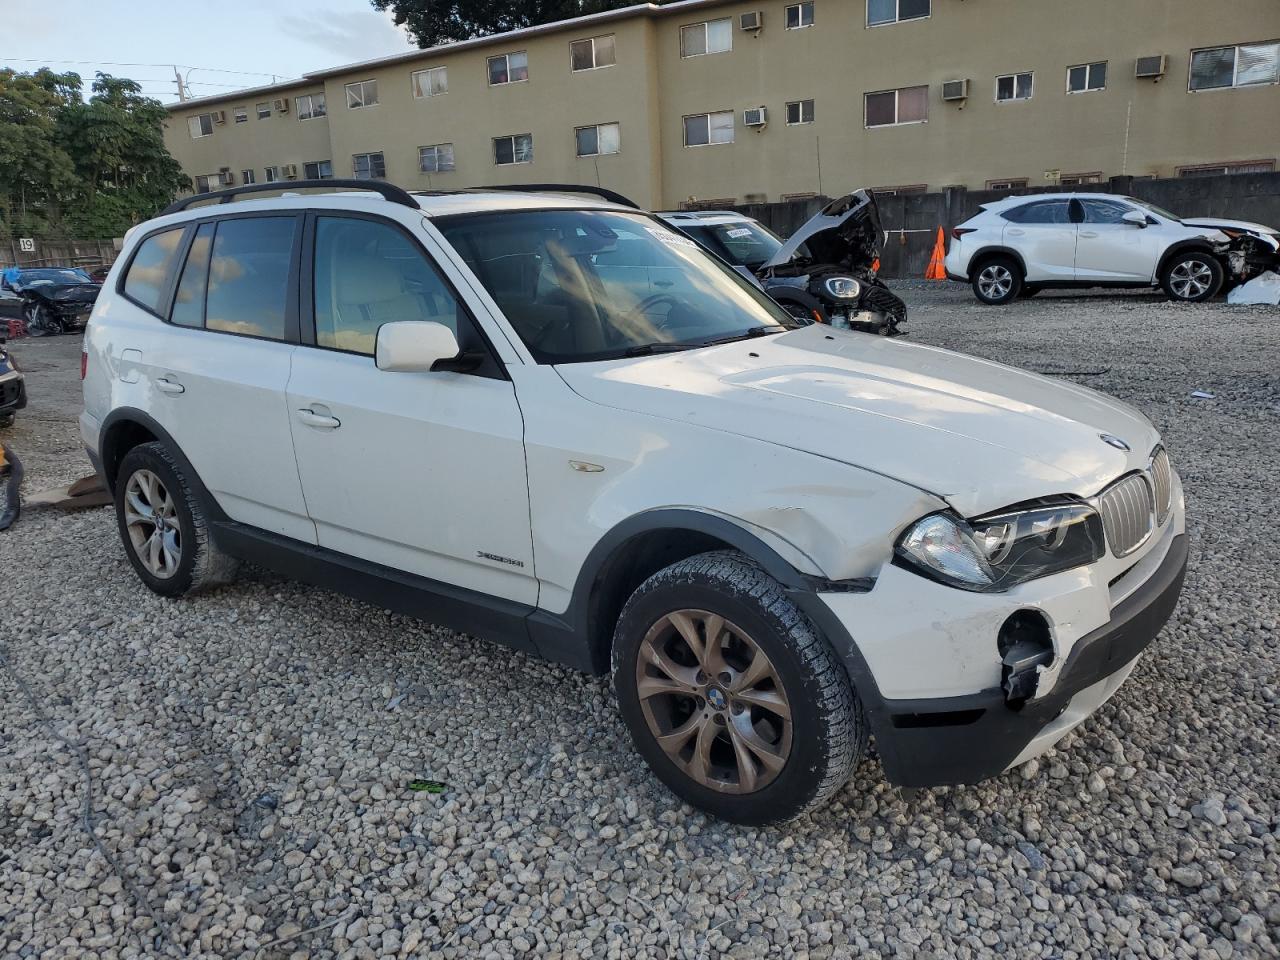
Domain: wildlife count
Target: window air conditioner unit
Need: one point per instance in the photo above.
(955, 90)
(755, 117)
(282, 105)
(228, 178)
(219, 116)
(1151, 68)
(290, 171)
(751, 21)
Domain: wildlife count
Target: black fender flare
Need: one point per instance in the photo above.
(996, 250)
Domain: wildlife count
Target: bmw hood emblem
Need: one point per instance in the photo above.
(1114, 441)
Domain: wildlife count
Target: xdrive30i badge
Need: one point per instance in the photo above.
(1114, 441)
(483, 555)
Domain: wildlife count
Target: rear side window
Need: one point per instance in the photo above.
(248, 285)
(1051, 211)
(152, 266)
(188, 302)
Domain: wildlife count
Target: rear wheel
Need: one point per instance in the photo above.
(998, 281)
(731, 696)
(1192, 277)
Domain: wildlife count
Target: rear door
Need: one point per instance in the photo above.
(421, 472)
(1043, 232)
(1110, 249)
(216, 310)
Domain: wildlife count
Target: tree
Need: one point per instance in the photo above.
(35, 169)
(433, 22)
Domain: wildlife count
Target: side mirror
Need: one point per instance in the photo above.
(1135, 217)
(414, 346)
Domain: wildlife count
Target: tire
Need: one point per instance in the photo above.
(997, 281)
(7, 419)
(810, 756)
(35, 320)
(1191, 277)
(185, 559)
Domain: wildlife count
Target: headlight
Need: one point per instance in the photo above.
(996, 552)
(843, 288)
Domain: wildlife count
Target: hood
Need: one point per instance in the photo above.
(77, 292)
(846, 232)
(976, 433)
(1216, 223)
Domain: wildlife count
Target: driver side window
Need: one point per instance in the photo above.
(1104, 211)
(369, 273)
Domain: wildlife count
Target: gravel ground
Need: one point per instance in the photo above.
(252, 751)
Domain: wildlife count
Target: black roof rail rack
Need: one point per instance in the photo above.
(389, 191)
(600, 192)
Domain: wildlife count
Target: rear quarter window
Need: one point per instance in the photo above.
(149, 272)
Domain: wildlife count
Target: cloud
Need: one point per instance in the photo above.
(349, 36)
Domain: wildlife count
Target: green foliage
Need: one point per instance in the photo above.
(76, 168)
(433, 22)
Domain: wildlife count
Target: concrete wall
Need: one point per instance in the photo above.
(1132, 127)
(1254, 197)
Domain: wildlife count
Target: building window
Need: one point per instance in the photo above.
(312, 106)
(711, 36)
(1007, 184)
(799, 111)
(430, 82)
(368, 166)
(508, 68)
(889, 108)
(1087, 77)
(208, 182)
(271, 174)
(1245, 65)
(1013, 86)
(513, 149)
(592, 54)
(363, 93)
(1219, 169)
(241, 114)
(318, 170)
(437, 158)
(264, 111)
(893, 11)
(1079, 179)
(706, 128)
(800, 15)
(598, 140)
(201, 126)
(248, 176)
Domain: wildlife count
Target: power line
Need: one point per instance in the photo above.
(113, 63)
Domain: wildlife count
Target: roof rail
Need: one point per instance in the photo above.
(600, 192)
(389, 191)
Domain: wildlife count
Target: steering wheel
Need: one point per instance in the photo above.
(648, 303)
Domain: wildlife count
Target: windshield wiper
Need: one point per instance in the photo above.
(748, 334)
(663, 346)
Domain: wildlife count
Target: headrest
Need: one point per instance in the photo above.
(366, 279)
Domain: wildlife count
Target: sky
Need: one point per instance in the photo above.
(230, 43)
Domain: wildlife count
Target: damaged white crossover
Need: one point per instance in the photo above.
(546, 418)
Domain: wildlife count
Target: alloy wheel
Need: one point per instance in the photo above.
(1190, 279)
(151, 517)
(713, 701)
(995, 281)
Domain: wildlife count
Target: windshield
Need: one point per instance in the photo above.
(581, 285)
(53, 275)
(1158, 211)
(743, 244)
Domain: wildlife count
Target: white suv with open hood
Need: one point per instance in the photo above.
(550, 420)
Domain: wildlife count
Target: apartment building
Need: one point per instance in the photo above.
(711, 101)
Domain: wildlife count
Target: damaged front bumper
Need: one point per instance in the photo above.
(1247, 256)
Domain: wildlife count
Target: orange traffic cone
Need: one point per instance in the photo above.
(936, 270)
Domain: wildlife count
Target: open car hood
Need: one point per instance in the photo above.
(845, 232)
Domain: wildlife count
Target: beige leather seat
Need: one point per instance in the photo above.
(370, 291)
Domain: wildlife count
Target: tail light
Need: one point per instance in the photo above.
(958, 232)
(84, 362)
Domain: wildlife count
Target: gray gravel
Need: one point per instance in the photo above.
(252, 750)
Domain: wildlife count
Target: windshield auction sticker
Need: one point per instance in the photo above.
(674, 239)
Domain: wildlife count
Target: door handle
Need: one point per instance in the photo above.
(1016, 233)
(172, 387)
(1088, 233)
(664, 283)
(321, 421)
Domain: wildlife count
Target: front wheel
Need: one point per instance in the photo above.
(998, 281)
(732, 697)
(1192, 277)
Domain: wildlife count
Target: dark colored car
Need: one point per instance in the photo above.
(13, 387)
(824, 272)
(54, 299)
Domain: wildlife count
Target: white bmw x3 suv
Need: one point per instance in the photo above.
(780, 541)
(1021, 245)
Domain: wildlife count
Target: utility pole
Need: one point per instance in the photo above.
(182, 87)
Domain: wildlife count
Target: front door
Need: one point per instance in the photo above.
(1109, 249)
(421, 472)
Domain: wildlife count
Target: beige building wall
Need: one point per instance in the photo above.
(1138, 127)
